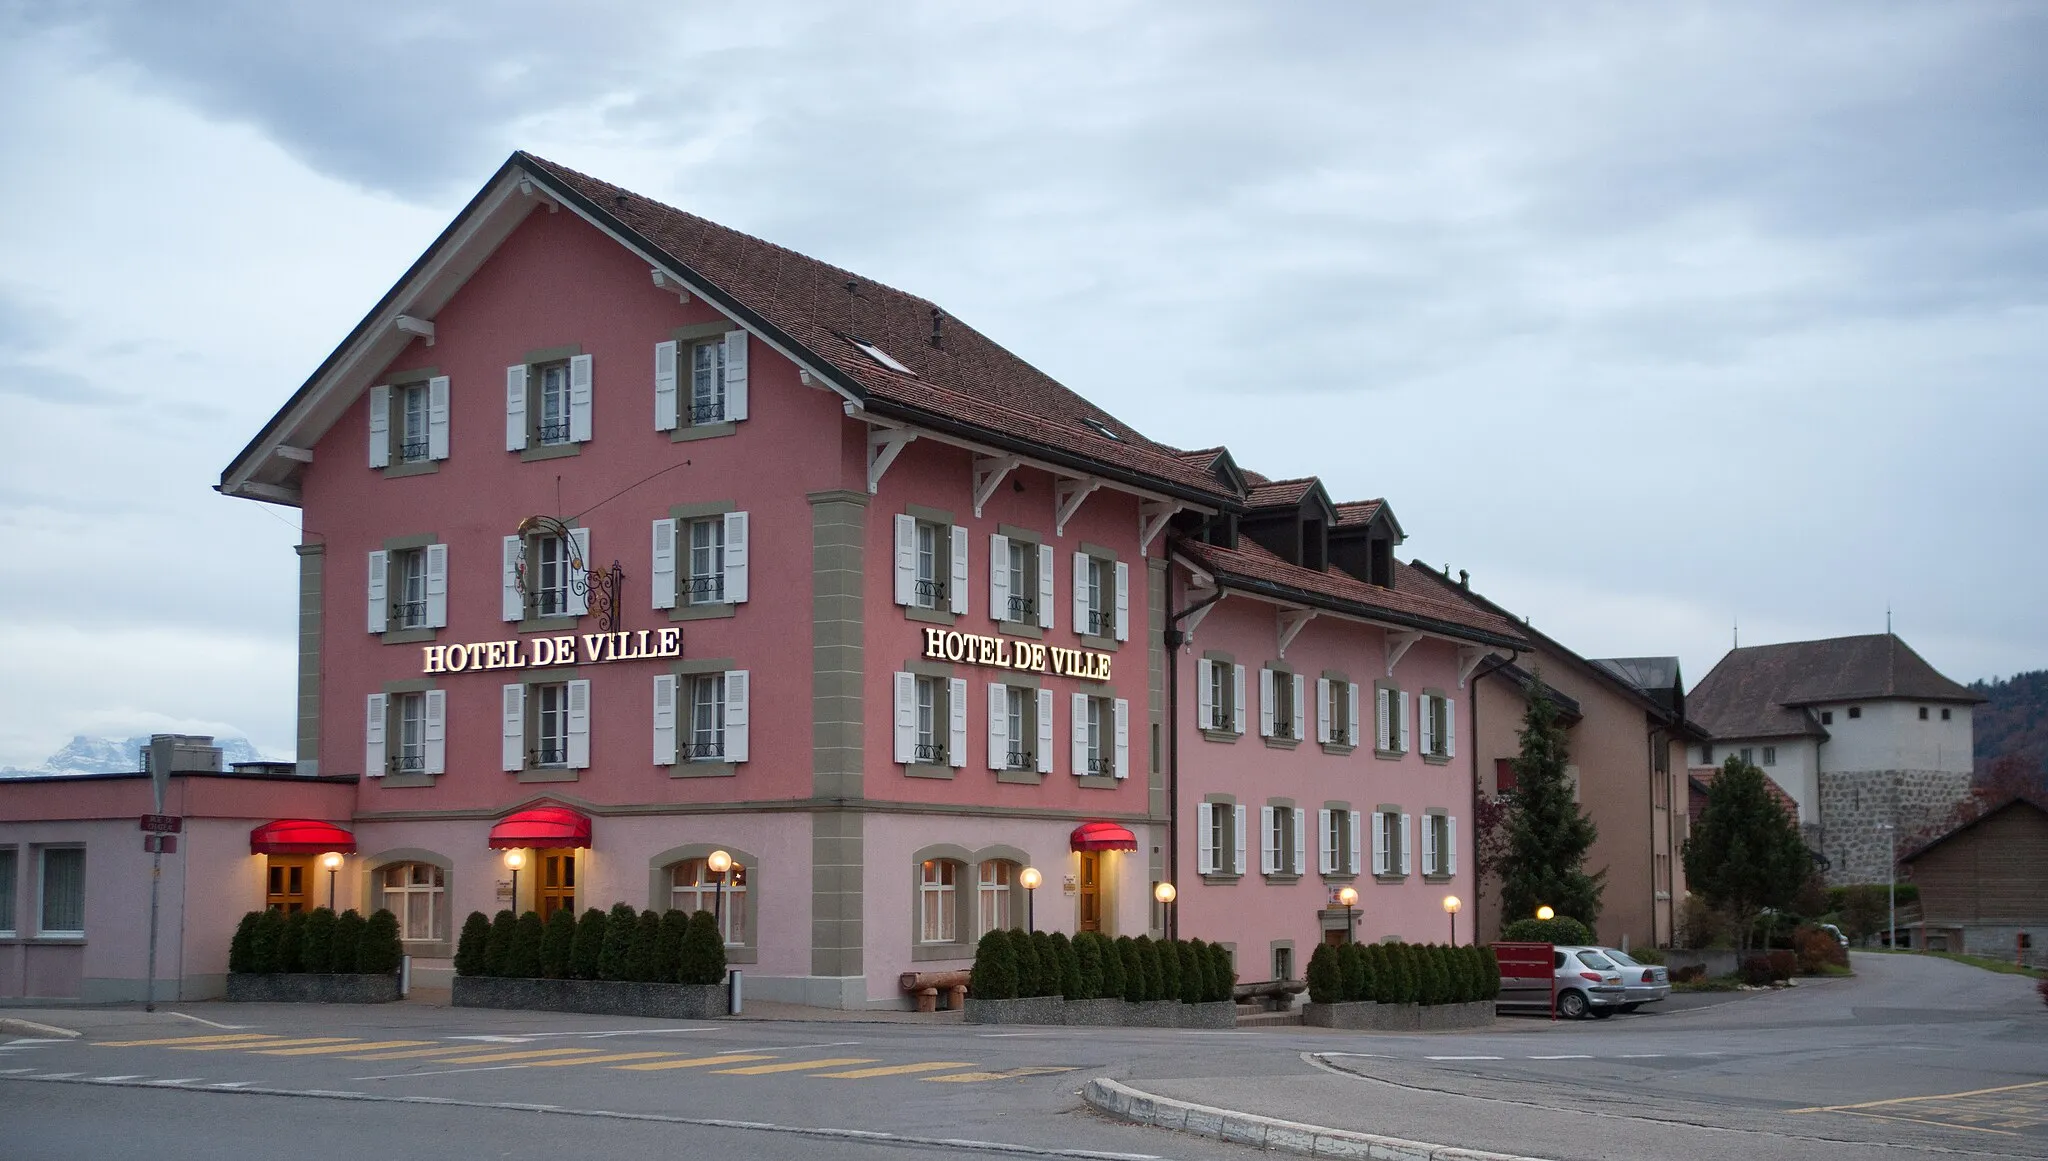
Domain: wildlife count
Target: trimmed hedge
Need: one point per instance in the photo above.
(348, 942)
(703, 951)
(1087, 965)
(587, 949)
(524, 962)
(380, 951)
(995, 968)
(1325, 976)
(643, 950)
(291, 946)
(613, 962)
(1090, 965)
(498, 944)
(316, 942)
(1113, 978)
(240, 954)
(1562, 929)
(469, 949)
(557, 944)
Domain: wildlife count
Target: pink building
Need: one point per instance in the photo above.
(630, 538)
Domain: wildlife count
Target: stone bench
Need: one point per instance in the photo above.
(926, 986)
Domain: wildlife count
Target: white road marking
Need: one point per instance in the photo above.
(113, 1079)
(1461, 1058)
(210, 1023)
(1012, 1035)
(521, 1039)
(1571, 1056)
(180, 1080)
(58, 1075)
(1641, 1055)
(14, 1071)
(25, 1041)
(232, 1084)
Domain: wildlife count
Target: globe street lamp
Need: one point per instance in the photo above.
(1165, 893)
(515, 859)
(718, 863)
(332, 861)
(1451, 905)
(1348, 896)
(1029, 878)
(1544, 912)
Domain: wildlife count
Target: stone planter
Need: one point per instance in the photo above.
(1030, 1010)
(1214, 1014)
(1153, 1014)
(1095, 1013)
(308, 988)
(1101, 1013)
(1456, 1017)
(1370, 1017)
(594, 997)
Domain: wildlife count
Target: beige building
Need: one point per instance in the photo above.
(1625, 718)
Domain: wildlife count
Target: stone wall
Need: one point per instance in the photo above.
(1854, 803)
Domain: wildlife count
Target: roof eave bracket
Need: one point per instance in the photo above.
(530, 188)
(989, 472)
(1152, 518)
(884, 445)
(670, 284)
(1469, 657)
(1399, 641)
(1067, 495)
(414, 325)
(1289, 623)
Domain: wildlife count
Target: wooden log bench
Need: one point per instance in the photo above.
(926, 986)
(1271, 995)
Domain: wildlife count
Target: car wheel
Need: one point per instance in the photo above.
(1602, 1013)
(1572, 1005)
(1630, 1007)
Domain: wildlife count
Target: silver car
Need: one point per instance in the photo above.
(1646, 982)
(1587, 983)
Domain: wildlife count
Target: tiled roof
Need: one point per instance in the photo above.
(1279, 493)
(1249, 562)
(1698, 778)
(1354, 512)
(968, 379)
(1762, 691)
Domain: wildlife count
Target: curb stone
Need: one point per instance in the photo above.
(31, 1028)
(1129, 1104)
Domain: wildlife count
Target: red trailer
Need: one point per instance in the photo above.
(1528, 975)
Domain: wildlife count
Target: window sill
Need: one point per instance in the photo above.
(1020, 777)
(706, 769)
(415, 468)
(1098, 781)
(1391, 879)
(1021, 629)
(930, 616)
(1338, 748)
(1282, 878)
(406, 781)
(1221, 879)
(702, 431)
(1437, 759)
(1340, 876)
(734, 954)
(553, 451)
(1099, 644)
(927, 770)
(551, 624)
(409, 636)
(549, 774)
(1276, 742)
(704, 612)
(1435, 877)
(1390, 755)
(48, 939)
(929, 952)
(1221, 735)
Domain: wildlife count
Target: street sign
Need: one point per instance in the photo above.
(160, 844)
(162, 823)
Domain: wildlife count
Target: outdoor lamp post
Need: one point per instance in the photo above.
(718, 863)
(515, 859)
(1030, 879)
(1348, 896)
(1451, 905)
(1544, 912)
(1891, 932)
(1165, 893)
(332, 861)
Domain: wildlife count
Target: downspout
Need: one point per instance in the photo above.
(1174, 639)
(1492, 664)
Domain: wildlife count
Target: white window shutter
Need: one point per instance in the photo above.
(373, 736)
(1326, 851)
(662, 582)
(736, 558)
(906, 559)
(1450, 728)
(1205, 699)
(1045, 704)
(1300, 817)
(579, 399)
(1428, 723)
(1047, 562)
(435, 731)
(1237, 696)
(514, 730)
(1428, 845)
(579, 725)
(1081, 592)
(957, 588)
(1450, 844)
(1079, 754)
(514, 600)
(665, 410)
(437, 586)
(1407, 845)
(437, 418)
(1350, 717)
(379, 603)
(906, 718)
(1356, 853)
(515, 408)
(956, 712)
(735, 375)
(1123, 601)
(998, 726)
(1269, 854)
(1205, 838)
(1265, 703)
(1383, 716)
(1123, 737)
(1379, 843)
(664, 719)
(1401, 719)
(380, 427)
(1238, 851)
(579, 554)
(1323, 722)
(738, 695)
(998, 577)
(1300, 709)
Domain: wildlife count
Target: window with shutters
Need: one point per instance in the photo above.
(934, 542)
(931, 717)
(1098, 726)
(8, 874)
(551, 392)
(1436, 845)
(707, 382)
(1390, 840)
(998, 881)
(409, 589)
(694, 887)
(705, 741)
(1439, 723)
(410, 405)
(1021, 603)
(417, 894)
(60, 892)
(1020, 717)
(550, 567)
(705, 584)
(409, 423)
(1100, 620)
(1281, 851)
(1336, 707)
(1221, 838)
(937, 901)
(1390, 719)
(1219, 697)
(548, 734)
(1338, 855)
(409, 722)
(1277, 716)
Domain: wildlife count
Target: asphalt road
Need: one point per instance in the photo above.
(1733, 1078)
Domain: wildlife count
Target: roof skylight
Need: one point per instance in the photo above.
(1102, 429)
(881, 356)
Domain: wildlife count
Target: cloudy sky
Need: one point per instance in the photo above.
(1654, 317)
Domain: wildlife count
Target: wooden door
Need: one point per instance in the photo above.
(1091, 891)
(290, 877)
(557, 882)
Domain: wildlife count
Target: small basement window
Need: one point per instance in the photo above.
(1855, 711)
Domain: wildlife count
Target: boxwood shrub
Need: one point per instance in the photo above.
(470, 958)
(348, 942)
(995, 968)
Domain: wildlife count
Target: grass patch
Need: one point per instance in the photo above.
(2001, 966)
(1833, 969)
(1711, 984)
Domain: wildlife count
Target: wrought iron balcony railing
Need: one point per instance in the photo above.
(413, 450)
(930, 752)
(547, 756)
(1020, 760)
(704, 411)
(1023, 610)
(704, 749)
(705, 590)
(553, 431)
(1101, 764)
(409, 614)
(930, 593)
(406, 763)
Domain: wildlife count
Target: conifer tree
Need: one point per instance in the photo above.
(498, 943)
(1548, 833)
(317, 954)
(1112, 966)
(1027, 963)
(527, 934)
(558, 944)
(995, 968)
(239, 958)
(469, 948)
(703, 952)
(615, 959)
(348, 941)
(587, 951)
(1746, 854)
(1224, 973)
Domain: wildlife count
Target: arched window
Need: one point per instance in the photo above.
(998, 883)
(937, 901)
(695, 887)
(417, 894)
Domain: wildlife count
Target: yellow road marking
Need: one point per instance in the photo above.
(977, 1077)
(494, 1057)
(897, 1069)
(417, 1052)
(270, 1044)
(796, 1066)
(601, 1059)
(1922, 1121)
(698, 1062)
(326, 1049)
(185, 1040)
(1939, 1096)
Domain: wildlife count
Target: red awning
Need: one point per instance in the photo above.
(542, 826)
(300, 836)
(1103, 836)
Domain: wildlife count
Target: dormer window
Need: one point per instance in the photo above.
(1380, 562)
(1315, 545)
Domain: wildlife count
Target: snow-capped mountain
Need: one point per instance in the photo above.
(115, 755)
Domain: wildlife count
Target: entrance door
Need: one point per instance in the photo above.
(1091, 890)
(557, 882)
(290, 876)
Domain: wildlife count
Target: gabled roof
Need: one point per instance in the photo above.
(1218, 462)
(967, 386)
(1280, 493)
(2021, 801)
(1763, 691)
(1353, 512)
(1251, 568)
(1525, 681)
(1659, 677)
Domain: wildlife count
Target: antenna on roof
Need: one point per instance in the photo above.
(1887, 619)
(852, 292)
(1738, 633)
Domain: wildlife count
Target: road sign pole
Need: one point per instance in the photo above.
(156, 876)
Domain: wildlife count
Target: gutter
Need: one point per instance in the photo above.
(1492, 664)
(1335, 604)
(1174, 639)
